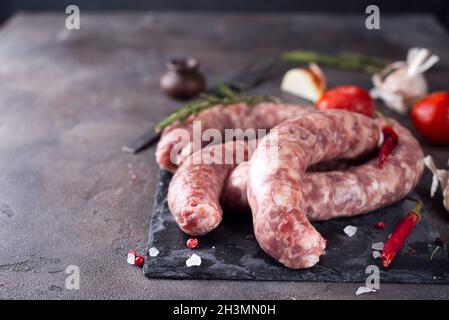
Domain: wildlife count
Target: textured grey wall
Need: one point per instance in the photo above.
(439, 8)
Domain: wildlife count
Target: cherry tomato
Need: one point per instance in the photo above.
(348, 97)
(431, 117)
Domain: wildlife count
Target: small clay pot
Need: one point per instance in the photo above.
(183, 80)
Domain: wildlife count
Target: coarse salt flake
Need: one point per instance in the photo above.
(377, 246)
(131, 257)
(362, 290)
(153, 252)
(194, 260)
(350, 230)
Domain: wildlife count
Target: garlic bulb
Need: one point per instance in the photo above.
(439, 175)
(402, 83)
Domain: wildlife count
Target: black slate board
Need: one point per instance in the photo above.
(231, 252)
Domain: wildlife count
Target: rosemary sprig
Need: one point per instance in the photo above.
(222, 94)
(343, 60)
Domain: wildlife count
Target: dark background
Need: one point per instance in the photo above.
(439, 8)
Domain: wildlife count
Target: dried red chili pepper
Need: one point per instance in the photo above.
(400, 234)
(390, 142)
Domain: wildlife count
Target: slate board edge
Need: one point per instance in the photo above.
(392, 276)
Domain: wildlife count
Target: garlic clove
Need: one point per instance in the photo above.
(308, 83)
(446, 197)
(401, 84)
(441, 176)
(318, 73)
(409, 88)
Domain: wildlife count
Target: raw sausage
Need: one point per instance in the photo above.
(234, 197)
(349, 191)
(275, 186)
(176, 142)
(195, 189)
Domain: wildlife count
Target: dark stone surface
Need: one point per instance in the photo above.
(70, 100)
(231, 251)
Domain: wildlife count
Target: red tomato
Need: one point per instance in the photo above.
(431, 117)
(348, 97)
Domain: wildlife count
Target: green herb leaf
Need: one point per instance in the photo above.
(343, 60)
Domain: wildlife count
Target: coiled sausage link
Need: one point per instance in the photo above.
(196, 188)
(275, 186)
(344, 192)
